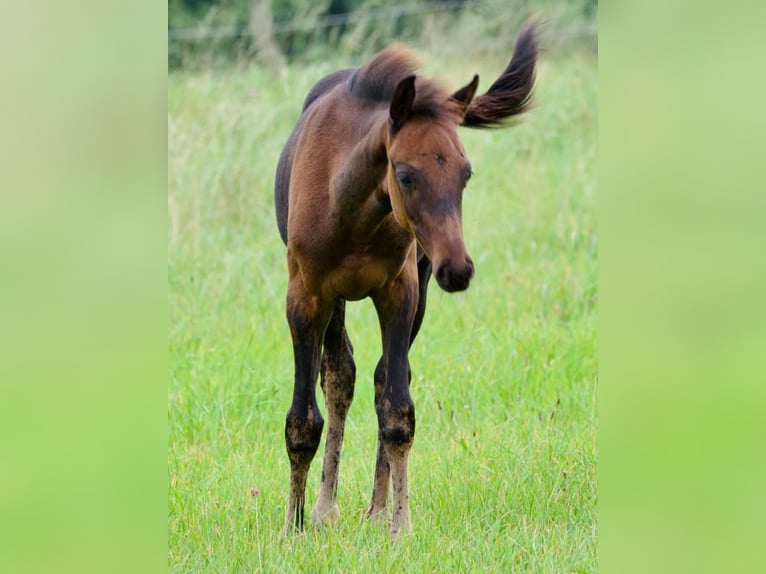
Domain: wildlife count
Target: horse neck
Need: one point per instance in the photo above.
(360, 189)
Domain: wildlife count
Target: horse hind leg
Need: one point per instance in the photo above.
(338, 373)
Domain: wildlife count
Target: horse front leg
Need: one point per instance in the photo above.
(396, 305)
(378, 509)
(308, 318)
(378, 505)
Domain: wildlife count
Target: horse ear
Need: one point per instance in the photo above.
(401, 104)
(465, 94)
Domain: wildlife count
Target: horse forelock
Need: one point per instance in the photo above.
(377, 81)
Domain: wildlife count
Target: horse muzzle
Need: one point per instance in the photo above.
(454, 276)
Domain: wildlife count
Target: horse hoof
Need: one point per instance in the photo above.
(325, 516)
(378, 517)
(400, 530)
(291, 530)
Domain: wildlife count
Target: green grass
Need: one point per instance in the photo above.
(503, 468)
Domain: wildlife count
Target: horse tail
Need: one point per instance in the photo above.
(282, 184)
(511, 94)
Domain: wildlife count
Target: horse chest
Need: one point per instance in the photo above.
(356, 276)
(352, 275)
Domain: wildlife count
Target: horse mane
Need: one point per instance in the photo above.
(509, 96)
(377, 81)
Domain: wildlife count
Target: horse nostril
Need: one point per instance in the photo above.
(441, 273)
(469, 264)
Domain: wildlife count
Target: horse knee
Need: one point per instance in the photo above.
(396, 421)
(302, 436)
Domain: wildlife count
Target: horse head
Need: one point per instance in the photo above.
(428, 171)
(428, 168)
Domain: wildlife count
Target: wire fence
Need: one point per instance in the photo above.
(203, 33)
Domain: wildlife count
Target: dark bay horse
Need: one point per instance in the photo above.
(368, 199)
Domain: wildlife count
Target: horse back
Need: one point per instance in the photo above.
(284, 166)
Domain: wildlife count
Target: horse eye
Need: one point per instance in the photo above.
(468, 174)
(405, 179)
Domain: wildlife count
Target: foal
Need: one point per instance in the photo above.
(368, 197)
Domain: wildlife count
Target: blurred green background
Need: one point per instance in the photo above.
(212, 32)
(504, 376)
(83, 296)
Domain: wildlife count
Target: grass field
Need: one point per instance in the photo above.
(503, 468)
